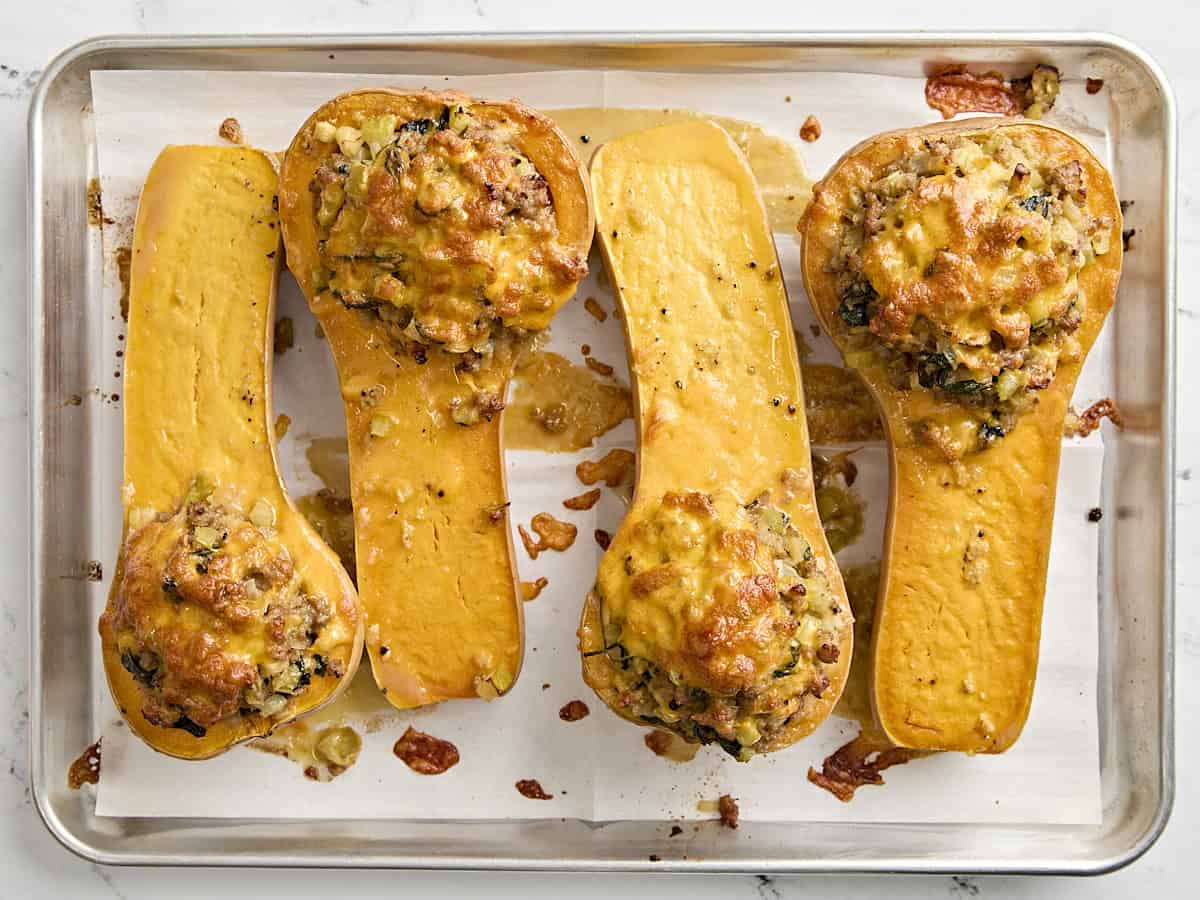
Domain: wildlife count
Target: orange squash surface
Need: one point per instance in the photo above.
(434, 552)
(213, 551)
(1019, 235)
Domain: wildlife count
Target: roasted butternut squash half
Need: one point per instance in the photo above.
(432, 235)
(718, 611)
(964, 269)
(227, 615)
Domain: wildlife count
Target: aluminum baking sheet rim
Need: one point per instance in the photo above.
(848, 40)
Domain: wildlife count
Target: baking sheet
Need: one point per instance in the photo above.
(598, 768)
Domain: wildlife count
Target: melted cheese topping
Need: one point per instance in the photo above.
(958, 268)
(718, 616)
(444, 227)
(212, 619)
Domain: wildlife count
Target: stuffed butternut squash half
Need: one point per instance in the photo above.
(718, 611)
(433, 234)
(228, 615)
(965, 270)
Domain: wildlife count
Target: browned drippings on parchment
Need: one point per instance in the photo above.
(531, 590)
(332, 515)
(670, 746)
(328, 741)
(573, 711)
(424, 753)
(123, 257)
(838, 406)
(532, 789)
(329, 459)
(862, 589)
(553, 534)
(586, 500)
(557, 406)
(614, 468)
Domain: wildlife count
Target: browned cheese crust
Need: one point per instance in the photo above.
(211, 620)
(436, 212)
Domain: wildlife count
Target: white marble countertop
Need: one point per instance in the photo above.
(31, 34)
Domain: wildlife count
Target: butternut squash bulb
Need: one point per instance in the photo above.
(718, 611)
(228, 615)
(965, 270)
(433, 234)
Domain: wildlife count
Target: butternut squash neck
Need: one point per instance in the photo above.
(434, 552)
(958, 621)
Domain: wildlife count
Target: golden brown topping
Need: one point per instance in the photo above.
(531, 590)
(573, 711)
(811, 130)
(532, 789)
(958, 270)
(443, 226)
(424, 753)
(553, 534)
(714, 615)
(211, 619)
(586, 500)
(692, 501)
(85, 769)
(231, 130)
(651, 580)
(282, 423)
(727, 806)
(614, 468)
(738, 544)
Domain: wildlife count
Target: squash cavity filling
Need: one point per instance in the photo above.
(958, 270)
(718, 619)
(213, 621)
(442, 228)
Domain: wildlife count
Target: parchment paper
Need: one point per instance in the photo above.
(597, 768)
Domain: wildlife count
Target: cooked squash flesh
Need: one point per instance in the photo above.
(227, 614)
(432, 235)
(964, 270)
(718, 611)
